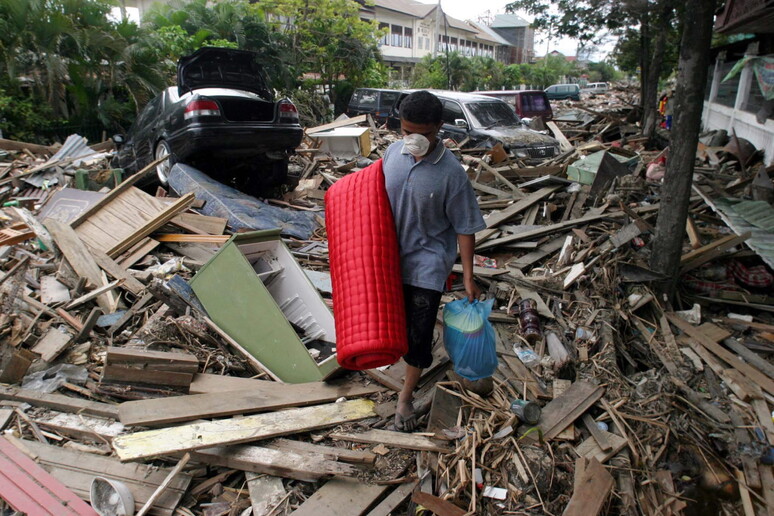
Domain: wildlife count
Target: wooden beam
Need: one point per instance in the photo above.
(260, 398)
(327, 452)
(195, 436)
(298, 466)
(437, 505)
(341, 497)
(564, 410)
(111, 267)
(79, 258)
(394, 439)
(591, 491)
(58, 402)
(511, 211)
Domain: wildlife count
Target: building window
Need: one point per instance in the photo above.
(408, 37)
(384, 40)
(453, 45)
(727, 89)
(397, 36)
(754, 100)
(427, 43)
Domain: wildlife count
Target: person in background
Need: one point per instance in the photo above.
(669, 109)
(435, 211)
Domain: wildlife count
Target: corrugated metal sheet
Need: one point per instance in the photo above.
(761, 240)
(74, 146)
(32, 490)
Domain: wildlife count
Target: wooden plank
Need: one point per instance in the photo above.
(58, 402)
(592, 491)
(751, 357)
(564, 143)
(265, 493)
(152, 225)
(88, 428)
(668, 497)
(564, 410)
(747, 370)
(75, 303)
(361, 119)
(79, 258)
(281, 463)
(326, 452)
(112, 373)
(599, 435)
(341, 497)
(709, 252)
(484, 272)
(5, 416)
(538, 254)
(444, 410)
(111, 267)
(88, 325)
(195, 436)
(204, 383)
(590, 447)
(394, 439)
(52, 344)
(767, 481)
(437, 505)
(196, 239)
(744, 494)
(394, 499)
(511, 211)
(152, 360)
(164, 485)
(260, 398)
(205, 223)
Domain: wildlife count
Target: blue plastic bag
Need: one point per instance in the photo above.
(469, 338)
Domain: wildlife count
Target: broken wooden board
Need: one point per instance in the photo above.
(326, 452)
(394, 499)
(111, 373)
(395, 439)
(590, 447)
(77, 470)
(89, 428)
(341, 497)
(702, 255)
(58, 402)
(111, 267)
(195, 436)
(444, 410)
(526, 376)
(437, 505)
(205, 224)
(511, 211)
(152, 360)
(124, 217)
(264, 396)
(79, 258)
(716, 349)
(299, 466)
(52, 344)
(564, 410)
(591, 491)
(204, 383)
(538, 254)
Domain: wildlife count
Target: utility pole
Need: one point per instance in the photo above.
(437, 42)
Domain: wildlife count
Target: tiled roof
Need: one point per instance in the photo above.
(502, 21)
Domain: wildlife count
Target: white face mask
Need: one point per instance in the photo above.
(416, 144)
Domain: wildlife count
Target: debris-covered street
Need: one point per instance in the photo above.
(177, 345)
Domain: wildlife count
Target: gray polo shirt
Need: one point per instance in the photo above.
(432, 202)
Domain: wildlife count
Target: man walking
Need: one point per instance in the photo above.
(435, 211)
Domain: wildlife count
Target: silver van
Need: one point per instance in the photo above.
(596, 88)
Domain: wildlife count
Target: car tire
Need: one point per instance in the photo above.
(163, 169)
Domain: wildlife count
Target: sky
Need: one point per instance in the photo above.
(472, 10)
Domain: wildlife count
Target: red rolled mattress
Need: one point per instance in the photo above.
(365, 271)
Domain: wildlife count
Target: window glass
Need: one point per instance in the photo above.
(533, 102)
(397, 36)
(384, 39)
(365, 99)
(451, 112)
(487, 114)
(727, 89)
(408, 37)
(388, 99)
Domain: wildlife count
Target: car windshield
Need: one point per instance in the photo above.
(535, 102)
(489, 114)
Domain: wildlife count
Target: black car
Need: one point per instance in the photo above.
(374, 101)
(484, 122)
(221, 118)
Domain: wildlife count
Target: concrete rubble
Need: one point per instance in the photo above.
(112, 367)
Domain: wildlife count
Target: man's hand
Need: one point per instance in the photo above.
(471, 289)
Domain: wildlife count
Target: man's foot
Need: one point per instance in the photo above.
(405, 417)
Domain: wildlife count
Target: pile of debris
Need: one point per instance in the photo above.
(169, 354)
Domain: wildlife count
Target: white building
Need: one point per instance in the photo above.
(738, 104)
(416, 30)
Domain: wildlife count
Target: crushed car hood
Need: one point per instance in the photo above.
(517, 137)
(212, 67)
